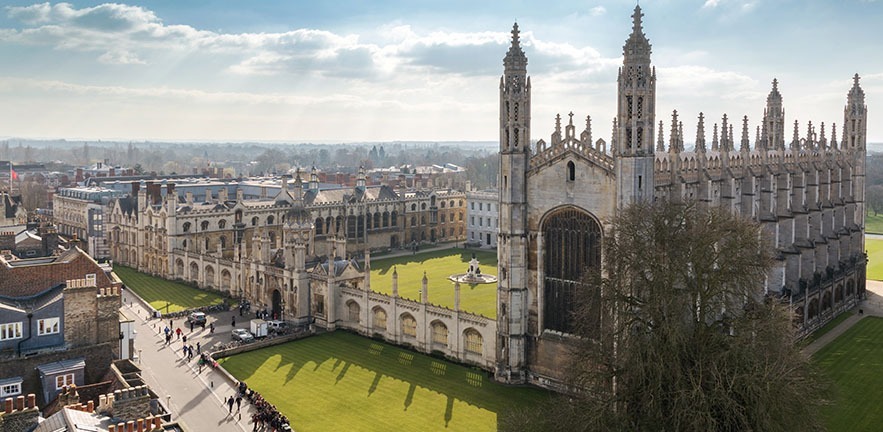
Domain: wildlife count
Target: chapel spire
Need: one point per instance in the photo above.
(636, 114)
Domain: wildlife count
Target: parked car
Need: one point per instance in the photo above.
(276, 326)
(242, 335)
(197, 318)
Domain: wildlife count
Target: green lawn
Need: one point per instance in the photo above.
(873, 224)
(160, 292)
(853, 362)
(343, 382)
(875, 258)
(827, 327)
(438, 265)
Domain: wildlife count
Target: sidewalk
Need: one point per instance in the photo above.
(872, 306)
(195, 399)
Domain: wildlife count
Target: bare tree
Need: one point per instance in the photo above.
(688, 341)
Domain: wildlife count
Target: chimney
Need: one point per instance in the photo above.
(111, 172)
(136, 186)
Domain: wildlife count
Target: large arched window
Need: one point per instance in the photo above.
(352, 311)
(572, 241)
(379, 321)
(473, 341)
(409, 325)
(439, 333)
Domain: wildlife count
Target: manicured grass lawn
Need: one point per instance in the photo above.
(874, 224)
(853, 362)
(827, 327)
(160, 292)
(875, 258)
(438, 265)
(343, 382)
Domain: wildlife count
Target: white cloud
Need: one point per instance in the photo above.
(597, 11)
(121, 57)
(711, 4)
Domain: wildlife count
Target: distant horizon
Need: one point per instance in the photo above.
(224, 71)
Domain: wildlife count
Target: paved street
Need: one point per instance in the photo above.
(196, 399)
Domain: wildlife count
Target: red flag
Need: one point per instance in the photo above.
(12, 174)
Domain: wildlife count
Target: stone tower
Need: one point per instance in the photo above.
(773, 135)
(512, 292)
(636, 114)
(855, 130)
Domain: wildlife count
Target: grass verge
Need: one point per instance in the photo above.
(163, 295)
(438, 265)
(340, 381)
(852, 362)
(875, 258)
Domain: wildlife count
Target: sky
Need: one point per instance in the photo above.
(359, 70)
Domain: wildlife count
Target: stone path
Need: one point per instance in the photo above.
(872, 306)
(196, 399)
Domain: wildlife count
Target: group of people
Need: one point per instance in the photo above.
(266, 416)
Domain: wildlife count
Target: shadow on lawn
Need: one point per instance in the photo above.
(455, 382)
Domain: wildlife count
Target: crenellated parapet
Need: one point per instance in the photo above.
(569, 142)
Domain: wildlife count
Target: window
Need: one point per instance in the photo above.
(186, 226)
(474, 341)
(413, 207)
(203, 226)
(480, 222)
(254, 221)
(443, 218)
(480, 206)
(64, 380)
(489, 222)
(409, 325)
(571, 171)
(10, 389)
(10, 331)
(423, 206)
(353, 311)
(47, 326)
(379, 319)
(473, 206)
(472, 220)
(222, 224)
(439, 333)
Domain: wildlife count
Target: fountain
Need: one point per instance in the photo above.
(473, 275)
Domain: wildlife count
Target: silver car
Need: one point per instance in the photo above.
(242, 335)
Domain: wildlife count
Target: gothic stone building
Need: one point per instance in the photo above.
(291, 254)
(555, 196)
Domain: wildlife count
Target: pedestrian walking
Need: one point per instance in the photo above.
(198, 348)
(230, 401)
(171, 324)
(211, 328)
(178, 332)
(185, 339)
(238, 402)
(234, 320)
(191, 326)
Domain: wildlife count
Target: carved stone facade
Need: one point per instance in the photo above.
(556, 197)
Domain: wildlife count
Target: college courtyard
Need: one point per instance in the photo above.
(343, 381)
